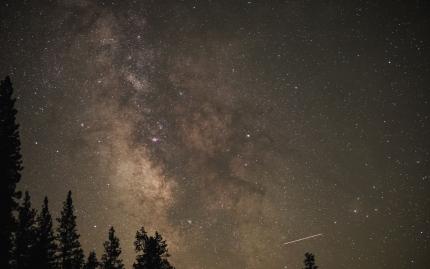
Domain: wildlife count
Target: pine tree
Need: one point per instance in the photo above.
(140, 248)
(44, 253)
(25, 236)
(310, 261)
(10, 169)
(152, 251)
(70, 252)
(92, 262)
(110, 259)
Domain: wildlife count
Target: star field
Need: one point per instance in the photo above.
(231, 127)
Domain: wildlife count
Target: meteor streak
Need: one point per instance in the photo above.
(301, 239)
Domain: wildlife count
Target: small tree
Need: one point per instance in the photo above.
(70, 252)
(44, 252)
(140, 248)
(92, 262)
(10, 169)
(310, 261)
(110, 259)
(152, 251)
(25, 236)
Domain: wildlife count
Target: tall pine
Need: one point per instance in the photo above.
(151, 251)
(110, 259)
(10, 169)
(70, 253)
(92, 262)
(25, 236)
(44, 252)
(310, 261)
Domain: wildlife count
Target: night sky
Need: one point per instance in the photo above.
(231, 127)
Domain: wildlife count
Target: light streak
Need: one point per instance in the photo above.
(301, 239)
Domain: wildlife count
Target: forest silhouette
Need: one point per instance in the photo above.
(28, 238)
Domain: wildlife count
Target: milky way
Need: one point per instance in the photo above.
(230, 126)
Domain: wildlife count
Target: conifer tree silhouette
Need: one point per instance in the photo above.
(152, 251)
(70, 252)
(310, 261)
(25, 236)
(92, 262)
(110, 259)
(10, 169)
(44, 252)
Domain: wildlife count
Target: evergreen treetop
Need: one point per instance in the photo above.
(25, 235)
(92, 262)
(310, 261)
(10, 169)
(152, 251)
(110, 259)
(45, 244)
(70, 252)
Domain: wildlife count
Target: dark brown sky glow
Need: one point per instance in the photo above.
(231, 127)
